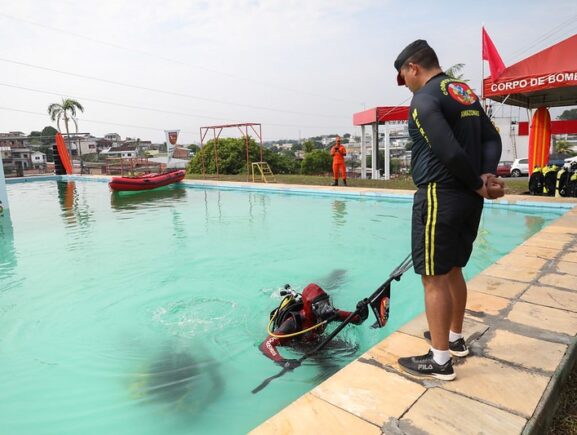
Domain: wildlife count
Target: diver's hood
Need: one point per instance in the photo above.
(312, 293)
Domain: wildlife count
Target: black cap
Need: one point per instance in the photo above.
(410, 50)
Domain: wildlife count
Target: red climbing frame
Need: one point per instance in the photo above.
(216, 135)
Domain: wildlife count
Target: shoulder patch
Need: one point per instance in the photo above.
(461, 92)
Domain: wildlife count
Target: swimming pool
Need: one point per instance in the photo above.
(107, 300)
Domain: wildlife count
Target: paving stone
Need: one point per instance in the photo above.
(396, 345)
(570, 256)
(485, 304)
(551, 297)
(525, 351)
(511, 272)
(533, 264)
(536, 251)
(568, 221)
(499, 385)
(365, 391)
(496, 286)
(419, 324)
(443, 412)
(557, 280)
(545, 243)
(538, 316)
(553, 236)
(310, 414)
(559, 228)
(567, 267)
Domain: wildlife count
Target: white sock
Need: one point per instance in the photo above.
(441, 356)
(454, 336)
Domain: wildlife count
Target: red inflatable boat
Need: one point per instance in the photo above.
(146, 182)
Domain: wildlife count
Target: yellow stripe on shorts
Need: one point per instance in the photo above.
(430, 229)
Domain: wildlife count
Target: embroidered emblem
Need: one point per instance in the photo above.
(462, 93)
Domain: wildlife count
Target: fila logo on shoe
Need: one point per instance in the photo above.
(425, 367)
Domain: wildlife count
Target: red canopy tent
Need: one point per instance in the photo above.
(545, 79)
(373, 118)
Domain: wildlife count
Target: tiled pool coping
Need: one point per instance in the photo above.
(521, 326)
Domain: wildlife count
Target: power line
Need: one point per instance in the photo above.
(547, 35)
(11, 109)
(59, 94)
(157, 129)
(162, 91)
(145, 53)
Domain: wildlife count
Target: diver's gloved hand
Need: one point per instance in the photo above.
(363, 310)
(290, 364)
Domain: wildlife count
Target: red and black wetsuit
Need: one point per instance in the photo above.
(300, 321)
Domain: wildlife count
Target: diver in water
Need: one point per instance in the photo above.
(177, 378)
(302, 318)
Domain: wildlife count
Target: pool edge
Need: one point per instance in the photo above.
(354, 400)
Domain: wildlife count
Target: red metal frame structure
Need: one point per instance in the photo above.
(373, 118)
(246, 125)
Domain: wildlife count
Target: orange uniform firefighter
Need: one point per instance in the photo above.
(339, 152)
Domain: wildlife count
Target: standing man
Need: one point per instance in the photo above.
(339, 152)
(455, 153)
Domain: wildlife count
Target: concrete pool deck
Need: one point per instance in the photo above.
(521, 326)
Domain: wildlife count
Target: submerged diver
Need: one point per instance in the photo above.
(176, 377)
(302, 318)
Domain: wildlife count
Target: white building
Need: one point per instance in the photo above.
(38, 159)
(122, 151)
(81, 143)
(114, 138)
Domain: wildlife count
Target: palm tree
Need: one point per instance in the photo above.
(66, 111)
(563, 147)
(455, 71)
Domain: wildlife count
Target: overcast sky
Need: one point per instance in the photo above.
(299, 67)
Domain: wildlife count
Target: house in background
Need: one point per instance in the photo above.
(180, 152)
(38, 159)
(122, 151)
(22, 158)
(113, 138)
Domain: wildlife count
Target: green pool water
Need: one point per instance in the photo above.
(108, 301)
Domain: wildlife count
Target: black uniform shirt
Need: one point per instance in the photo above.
(454, 142)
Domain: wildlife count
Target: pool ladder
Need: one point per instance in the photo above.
(266, 174)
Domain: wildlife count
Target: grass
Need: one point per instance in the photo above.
(565, 421)
(514, 186)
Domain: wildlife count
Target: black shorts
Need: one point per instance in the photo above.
(445, 224)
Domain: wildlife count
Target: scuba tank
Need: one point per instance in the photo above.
(550, 179)
(572, 183)
(290, 305)
(562, 180)
(536, 182)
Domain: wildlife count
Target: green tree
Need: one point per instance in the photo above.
(193, 148)
(564, 147)
(353, 163)
(568, 114)
(66, 110)
(317, 162)
(308, 146)
(35, 137)
(232, 158)
(48, 135)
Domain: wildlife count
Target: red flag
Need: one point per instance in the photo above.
(491, 55)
